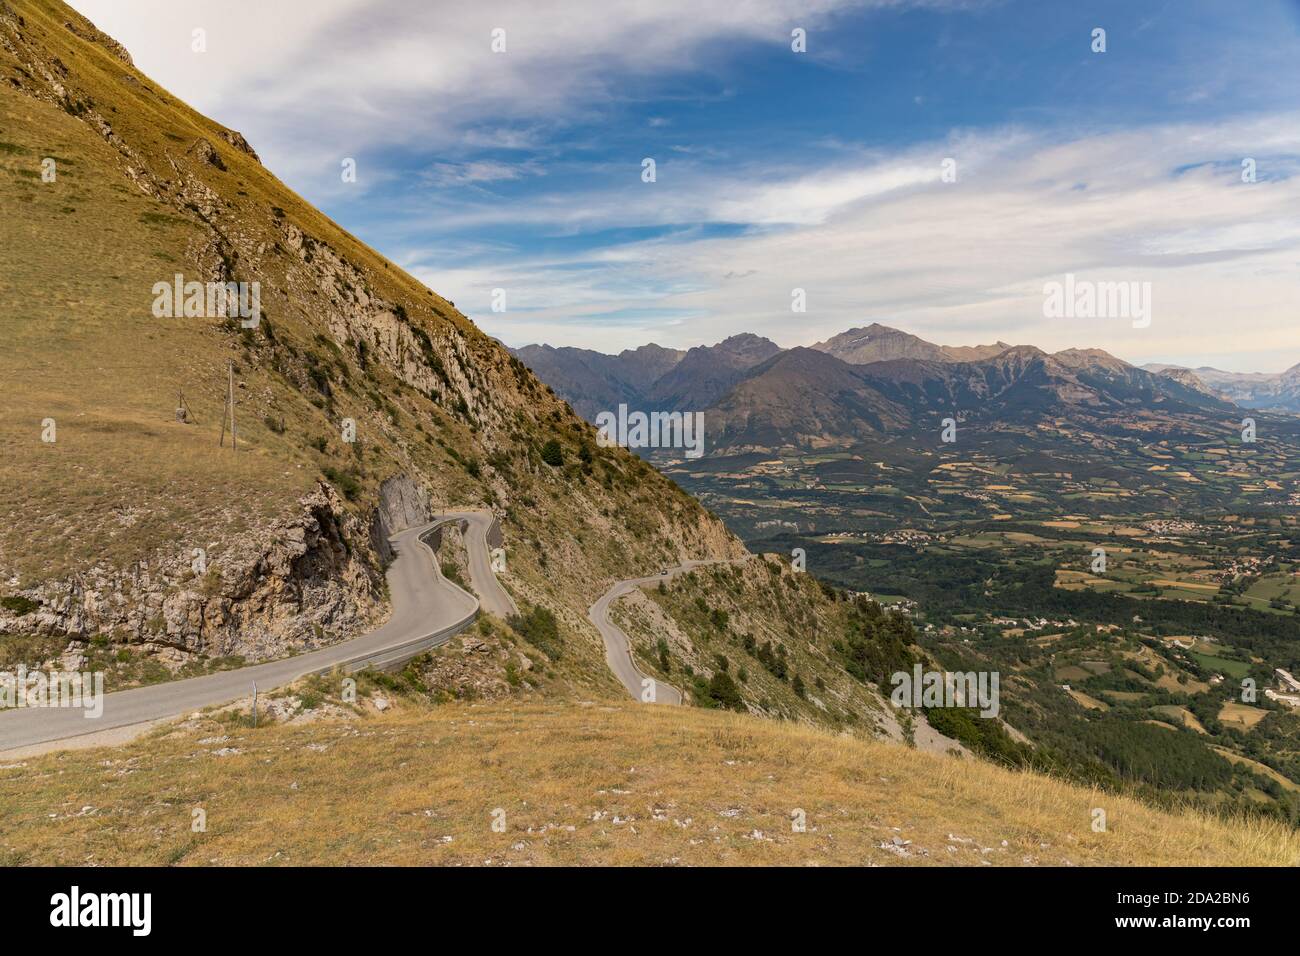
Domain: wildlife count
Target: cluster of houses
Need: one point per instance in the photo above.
(1175, 527)
(909, 536)
(1032, 624)
(1239, 566)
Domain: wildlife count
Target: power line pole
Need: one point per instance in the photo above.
(230, 411)
(234, 435)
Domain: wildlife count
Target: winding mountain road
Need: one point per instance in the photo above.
(427, 611)
(618, 649)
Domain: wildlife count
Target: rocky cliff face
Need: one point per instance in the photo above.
(403, 503)
(300, 584)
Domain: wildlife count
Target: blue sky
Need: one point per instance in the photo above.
(776, 170)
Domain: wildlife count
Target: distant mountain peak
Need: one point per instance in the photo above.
(707, 372)
(746, 341)
(882, 343)
(1189, 379)
(878, 343)
(1096, 358)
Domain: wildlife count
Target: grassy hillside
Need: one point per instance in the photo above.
(590, 784)
(765, 627)
(101, 527)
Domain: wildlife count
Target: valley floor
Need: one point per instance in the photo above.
(570, 783)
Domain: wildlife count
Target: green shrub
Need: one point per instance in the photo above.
(724, 693)
(664, 663)
(344, 482)
(18, 604)
(452, 573)
(539, 628)
(553, 454)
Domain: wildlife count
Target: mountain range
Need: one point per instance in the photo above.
(1278, 391)
(867, 383)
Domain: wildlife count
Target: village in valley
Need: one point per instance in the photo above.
(1188, 624)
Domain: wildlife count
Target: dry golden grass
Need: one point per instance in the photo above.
(580, 783)
(1091, 703)
(77, 264)
(1180, 715)
(1242, 715)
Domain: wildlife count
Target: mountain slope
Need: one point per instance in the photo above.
(708, 372)
(872, 382)
(648, 377)
(805, 398)
(138, 542)
(593, 382)
(99, 542)
(98, 553)
(1026, 380)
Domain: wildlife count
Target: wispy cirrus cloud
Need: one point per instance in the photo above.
(317, 74)
(479, 171)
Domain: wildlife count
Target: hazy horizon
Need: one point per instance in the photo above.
(802, 344)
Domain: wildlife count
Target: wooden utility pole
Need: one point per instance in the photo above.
(230, 412)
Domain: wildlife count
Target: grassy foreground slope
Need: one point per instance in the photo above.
(579, 784)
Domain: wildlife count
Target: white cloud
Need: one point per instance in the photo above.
(315, 76)
(478, 171)
(965, 261)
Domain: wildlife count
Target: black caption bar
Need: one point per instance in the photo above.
(141, 907)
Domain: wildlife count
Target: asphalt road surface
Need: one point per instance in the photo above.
(427, 611)
(618, 651)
